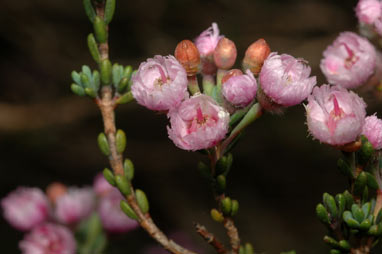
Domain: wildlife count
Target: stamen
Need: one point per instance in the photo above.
(161, 72)
(337, 109)
(199, 115)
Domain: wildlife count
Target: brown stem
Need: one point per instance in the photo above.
(210, 238)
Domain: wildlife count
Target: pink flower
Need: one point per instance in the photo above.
(368, 11)
(112, 217)
(335, 116)
(49, 239)
(101, 186)
(240, 90)
(207, 41)
(198, 123)
(372, 130)
(285, 79)
(349, 61)
(75, 205)
(160, 83)
(25, 208)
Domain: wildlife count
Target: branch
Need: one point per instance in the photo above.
(210, 238)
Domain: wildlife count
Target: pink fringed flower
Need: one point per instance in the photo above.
(49, 239)
(240, 90)
(75, 205)
(368, 11)
(285, 79)
(349, 61)
(372, 129)
(101, 186)
(335, 116)
(25, 208)
(112, 217)
(207, 41)
(198, 123)
(160, 83)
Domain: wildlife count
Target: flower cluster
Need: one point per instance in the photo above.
(49, 218)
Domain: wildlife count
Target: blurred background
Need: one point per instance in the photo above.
(48, 134)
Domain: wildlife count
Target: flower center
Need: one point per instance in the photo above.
(201, 120)
(162, 78)
(335, 115)
(351, 59)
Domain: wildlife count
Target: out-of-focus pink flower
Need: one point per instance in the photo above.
(198, 123)
(25, 208)
(368, 11)
(49, 239)
(349, 61)
(160, 83)
(335, 116)
(372, 129)
(75, 205)
(285, 79)
(112, 217)
(101, 186)
(207, 41)
(240, 90)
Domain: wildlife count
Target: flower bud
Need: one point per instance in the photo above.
(368, 11)
(49, 238)
(188, 56)
(372, 130)
(255, 56)
(25, 208)
(230, 74)
(55, 190)
(239, 90)
(225, 54)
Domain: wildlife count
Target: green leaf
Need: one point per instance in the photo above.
(349, 199)
(106, 72)
(322, 214)
(366, 208)
(330, 204)
(123, 184)
(90, 92)
(365, 225)
(204, 170)
(89, 10)
(235, 207)
(357, 212)
(216, 215)
(117, 72)
(142, 200)
(341, 202)
(350, 221)
(78, 90)
(224, 164)
(221, 183)
(103, 144)
(360, 183)
(109, 10)
(126, 208)
(248, 248)
(109, 176)
(122, 85)
(331, 241)
(372, 182)
(125, 98)
(96, 80)
(100, 30)
(76, 77)
(93, 48)
(226, 205)
(128, 167)
(345, 168)
(345, 245)
(120, 141)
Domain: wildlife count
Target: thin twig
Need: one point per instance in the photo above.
(210, 238)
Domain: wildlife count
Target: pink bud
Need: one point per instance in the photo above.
(368, 11)
(240, 90)
(335, 115)
(75, 205)
(372, 130)
(207, 41)
(55, 190)
(255, 56)
(49, 239)
(160, 83)
(285, 79)
(225, 54)
(198, 123)
(349, 61)
(112, 217)
(25, 208)
(101, 186)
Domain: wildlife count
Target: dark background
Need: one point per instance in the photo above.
(48, 134)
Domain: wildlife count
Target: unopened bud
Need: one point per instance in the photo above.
(188, 56)
(230, 74)
(225, 54)
(255, 56)
(55, 190)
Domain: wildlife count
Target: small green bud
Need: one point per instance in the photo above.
(126, 208)
(235, 207)
(322, 214)
(120, 141)
(365, 225)
(76, 77)
(226, 204)
(248, 248)
(109, 10)
(90, 92)
(334, 251)
(78, 90)
(85, 80)
(360, 183)
(341, 202)
(331, 241)
(330, 204)
(128, 167)
(89, 10)
(123, 185)
(100, 31)
(216, 215)
(122, 85)
(125, 98)
(109, 176)
(350, 221)
(142, 200)
(372, 182)
(345, 245)
(105, 72)
(221, 183)
(344, 167)
(103, 144)
(357, 213)
(93, 48)
(86, 70)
